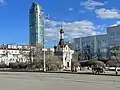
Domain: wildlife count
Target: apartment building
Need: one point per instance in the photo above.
(13, 53)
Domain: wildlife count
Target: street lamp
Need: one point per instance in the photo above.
(44, 49)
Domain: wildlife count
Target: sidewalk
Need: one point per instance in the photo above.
(107, 73)
(87, 72)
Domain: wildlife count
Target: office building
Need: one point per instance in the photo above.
(36, 25)
(99, 43)
(113, 34)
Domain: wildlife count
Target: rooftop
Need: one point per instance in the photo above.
(115, 25)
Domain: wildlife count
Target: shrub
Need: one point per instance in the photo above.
(113, 63)
(22, 65)
(2, 65)
(13, 65)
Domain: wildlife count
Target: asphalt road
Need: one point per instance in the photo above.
(52, 81)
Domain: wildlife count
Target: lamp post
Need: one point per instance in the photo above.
(44, 62)
(44, 66)
(44, 49)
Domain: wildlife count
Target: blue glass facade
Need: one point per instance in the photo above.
(36, 25)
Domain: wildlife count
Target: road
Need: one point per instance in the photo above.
(57, 81)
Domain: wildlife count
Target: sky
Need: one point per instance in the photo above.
(79, 17)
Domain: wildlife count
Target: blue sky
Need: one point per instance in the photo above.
(79, 17)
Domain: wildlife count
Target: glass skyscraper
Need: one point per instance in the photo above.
(36, 25)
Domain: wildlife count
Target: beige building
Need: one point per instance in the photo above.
(67, 57)
(13, 53)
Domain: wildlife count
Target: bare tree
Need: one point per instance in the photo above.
(28, 55)
(115, 52)
(74, 62)
(80, 56)
(36, 58)
(99, 55)
(53, 62)
(88, 52)
(38, 53)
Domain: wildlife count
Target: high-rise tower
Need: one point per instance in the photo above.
(36, 25)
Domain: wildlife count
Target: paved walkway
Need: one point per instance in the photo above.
(57, 81)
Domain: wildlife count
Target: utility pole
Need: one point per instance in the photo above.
(44, 59)
(44, 66)
(44, 62)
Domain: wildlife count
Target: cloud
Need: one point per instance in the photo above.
(70, 9)
(91, 4)
(2, 2)
(107, 13)
(81, 11)
(117, 23)
(101, 29)
(72, 29)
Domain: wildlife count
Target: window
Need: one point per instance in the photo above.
(113, 39)
(112, 33)
(104, 50)
(67, 64)
(39, 16)
(66, 48)
(77, 46)
(118, 33)
(42, 10)
(30, 11)
(3, 51)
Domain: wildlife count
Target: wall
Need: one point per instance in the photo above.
(113, 35)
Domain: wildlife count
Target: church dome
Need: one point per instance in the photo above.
(61, 31)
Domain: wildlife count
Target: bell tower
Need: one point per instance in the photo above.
(61, 42)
